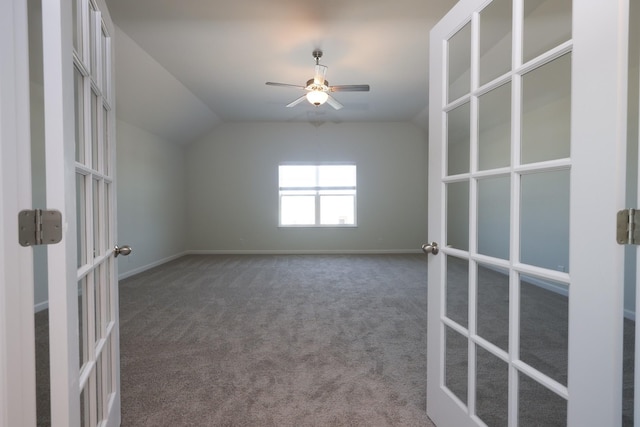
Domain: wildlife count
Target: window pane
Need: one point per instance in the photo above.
(297, 176)
(337, 176)
(297, 210)
(337, 210)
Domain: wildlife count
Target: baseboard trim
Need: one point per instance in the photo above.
(150, 266)
(303, 252)
(41, 306)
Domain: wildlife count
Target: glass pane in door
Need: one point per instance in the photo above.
(544, 326)
(494, 128)
(546, 111)
(460, 63)
(547, 24)
(457, 290)
(544, 219)
(492, 323)
(458, 215)
(79, 102)
(495, 40)
(458, 140)
(492, 383)
(81, 219)
(456, 369)
(539, 406)
(494, 205)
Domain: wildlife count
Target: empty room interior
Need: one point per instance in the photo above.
(277, 275)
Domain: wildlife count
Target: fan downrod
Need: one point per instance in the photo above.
(317, 54)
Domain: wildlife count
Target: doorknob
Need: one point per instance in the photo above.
(430, 248)
(124, 250)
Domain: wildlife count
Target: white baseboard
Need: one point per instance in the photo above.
(303, 252)
(629, 314)
(41, 306)
(150, 266)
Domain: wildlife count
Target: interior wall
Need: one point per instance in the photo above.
(151, 199)
(232, 186)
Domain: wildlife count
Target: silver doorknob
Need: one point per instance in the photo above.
(124, 250)
(430, 248)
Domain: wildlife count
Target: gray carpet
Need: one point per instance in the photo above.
(314, 341)
(276, 341)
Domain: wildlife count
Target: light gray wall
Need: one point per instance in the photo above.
(151, 198)
(232, 186)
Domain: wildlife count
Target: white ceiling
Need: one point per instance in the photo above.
(216, 56)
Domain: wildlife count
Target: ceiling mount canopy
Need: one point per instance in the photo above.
(318, 87)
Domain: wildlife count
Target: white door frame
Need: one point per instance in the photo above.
(17, 348)
(57, 46)
(598, 150)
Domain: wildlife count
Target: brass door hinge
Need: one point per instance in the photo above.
(627, 227)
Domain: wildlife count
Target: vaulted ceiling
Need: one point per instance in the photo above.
(183, 67)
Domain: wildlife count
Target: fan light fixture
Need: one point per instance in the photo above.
(317, 97)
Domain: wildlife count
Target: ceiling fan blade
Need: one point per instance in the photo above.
(297, 101)
(335, 104)
(284, 85)
(350, 88)
(319, 74)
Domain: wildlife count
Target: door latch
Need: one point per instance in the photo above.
(39, 227)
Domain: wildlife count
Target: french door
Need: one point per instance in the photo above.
(526, 174)
(79, 144)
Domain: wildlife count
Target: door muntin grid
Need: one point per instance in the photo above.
(490, 153)
(97, 313)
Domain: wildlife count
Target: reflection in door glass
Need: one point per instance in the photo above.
(544, 326)
(78, 95)
(83, 321)
(544, 220)
(456, 367)
(460, 63)
(458, 140)
(547, 24)
(493, 305)
(492, 375)
(546, 112)
(494, 213)
(495, 40)
(81, 219)
(457, 289)
(458, 215)
(494, 128)
(97, 235)
(539, 406)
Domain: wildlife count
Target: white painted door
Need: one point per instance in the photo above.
(79, 139)
(526, 174)
(17, 361)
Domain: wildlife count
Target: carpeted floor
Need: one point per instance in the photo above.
(275, 341)
(308, 340)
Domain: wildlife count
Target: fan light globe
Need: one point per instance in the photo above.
(317, 97)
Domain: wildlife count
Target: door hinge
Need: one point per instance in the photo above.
(39, 227)
(628, 227)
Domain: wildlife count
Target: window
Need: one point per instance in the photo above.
(317, 195)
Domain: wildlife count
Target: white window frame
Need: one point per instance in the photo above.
(316, 191)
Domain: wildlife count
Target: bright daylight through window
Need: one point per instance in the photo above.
(317, 195)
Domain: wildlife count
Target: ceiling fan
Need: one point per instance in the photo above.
(318, 88)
